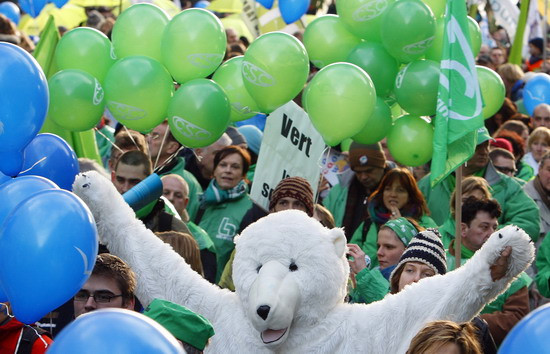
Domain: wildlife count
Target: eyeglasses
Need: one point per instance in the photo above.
(506, 170)
(99, 296)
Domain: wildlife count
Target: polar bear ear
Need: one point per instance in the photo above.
(338, 239)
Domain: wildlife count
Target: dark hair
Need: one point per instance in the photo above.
(514, 125)
(233, 149)
(416, 201)
(514, 139)
(136, 158)
(169, 135)
(112, 267)
(472, 206)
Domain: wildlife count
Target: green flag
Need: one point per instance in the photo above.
(459, 101)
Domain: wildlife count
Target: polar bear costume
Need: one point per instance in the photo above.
(290, 276)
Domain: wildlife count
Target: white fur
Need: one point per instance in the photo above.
(309, 300)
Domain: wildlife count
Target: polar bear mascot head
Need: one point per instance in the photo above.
(289, 271)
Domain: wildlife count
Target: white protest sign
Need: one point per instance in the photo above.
(290, 147)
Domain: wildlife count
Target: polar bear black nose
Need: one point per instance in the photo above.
(263, 311)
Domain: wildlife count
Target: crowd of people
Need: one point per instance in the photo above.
(399, 228)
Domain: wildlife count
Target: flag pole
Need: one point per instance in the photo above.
(458, 216)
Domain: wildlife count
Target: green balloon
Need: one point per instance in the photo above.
(86, 49)
(229, 77)
(328, 41)
(378, 63)
(76, 100)
(475, 35)
(137, 91)
(339, 100)
(410, 140)
(138, 31)
(437, 7)
(378, 124)
(275, 69)
(193, 44)
(416, 87)
(198, 113)
(436, 50)
(363, 17)
(492, 90)
(408, 29)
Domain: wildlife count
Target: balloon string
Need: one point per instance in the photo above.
(161, 146)
(109, 140)
(323, 166)
(30, 168)
(131, 137)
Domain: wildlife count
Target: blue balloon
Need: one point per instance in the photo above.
(530, 335)
(268, 4)
(50, 156)
(60, 3)
(293, 10)
(13, 192)
(536, 91)
(24, 103)
(32, 7)
(49, 246)
(114, 331)
(11, 11)
(4, 178)
(202, 4)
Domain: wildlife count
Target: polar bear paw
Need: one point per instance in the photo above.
(106, 204)
(523, 250)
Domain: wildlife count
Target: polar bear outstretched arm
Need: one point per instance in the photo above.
(458, 295)
(160, 271)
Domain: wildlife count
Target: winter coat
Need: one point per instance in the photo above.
(544, 211)
(221, 222)
(543, 265)
(517, 207)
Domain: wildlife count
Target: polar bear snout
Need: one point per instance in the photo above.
(263, 311)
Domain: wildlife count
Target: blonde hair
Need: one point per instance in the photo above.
(541, 133)
(184, 245)
(510, 72)
(470, 184)
(439, 333)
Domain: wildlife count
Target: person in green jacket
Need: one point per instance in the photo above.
(396, 196)
(543, 265)
(479, 221)
(225, 201)
(372, 284)
(471, 186)
(517, 207)
(164, 148)
(348, 203)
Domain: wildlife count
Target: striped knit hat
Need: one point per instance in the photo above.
(294, 187)
(426, 247)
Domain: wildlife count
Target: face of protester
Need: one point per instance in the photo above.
(497, 57)
(107, 295)
(206, 157)
(127, 176)
(541, 116)
(505, 165)
(480, 158)
(479, 230)
(544, 174)
(390, 248)
(174, 190)
(538, 149)
(154, 140)
(229, 171)
(395, 195)
(369, 176)
(413, 272)
(287, 203)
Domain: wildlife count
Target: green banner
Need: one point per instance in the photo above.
(459, 102)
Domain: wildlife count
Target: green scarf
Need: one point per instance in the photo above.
(214, 195)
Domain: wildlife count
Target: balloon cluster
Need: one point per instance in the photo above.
(376, 57)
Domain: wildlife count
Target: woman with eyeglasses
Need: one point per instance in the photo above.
(225, 202)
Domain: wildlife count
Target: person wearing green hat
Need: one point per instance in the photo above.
(517, 207)
(190, 328)
(393, 238)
